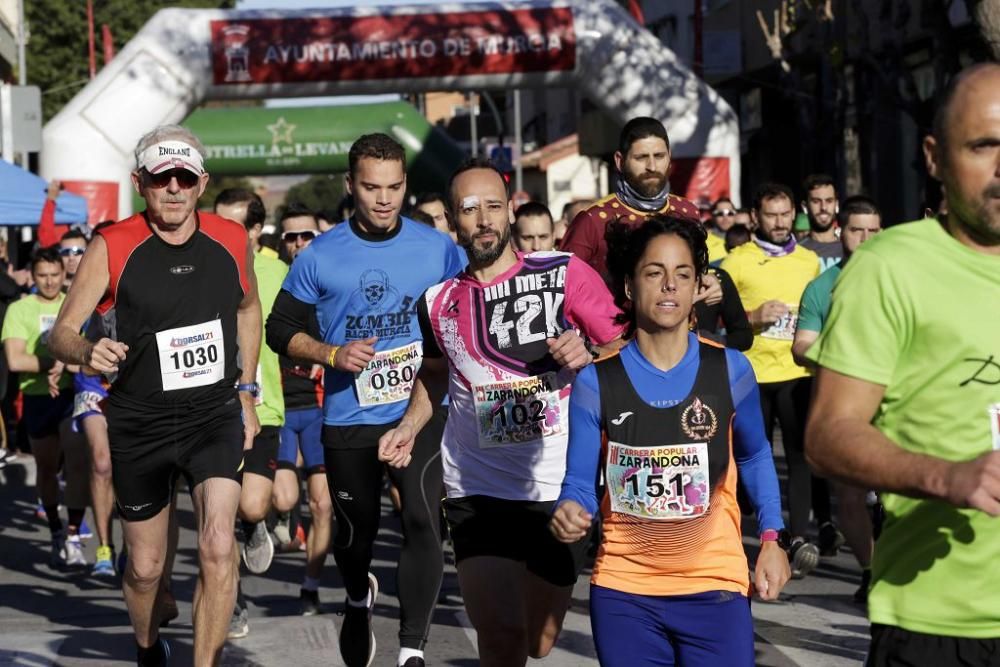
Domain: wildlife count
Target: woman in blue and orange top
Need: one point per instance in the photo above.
(672, 420)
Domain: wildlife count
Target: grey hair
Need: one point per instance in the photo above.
(168, 133)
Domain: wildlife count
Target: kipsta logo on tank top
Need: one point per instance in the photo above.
(376, 308)
(182, 269)
(698, 421)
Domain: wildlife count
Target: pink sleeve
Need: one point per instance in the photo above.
(589, 304)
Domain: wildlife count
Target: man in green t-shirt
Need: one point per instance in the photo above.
(47, 388)
(908, 391)
(261, 461)
(859, 221)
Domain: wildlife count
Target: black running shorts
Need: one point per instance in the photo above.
(149, 449)
(262, 459)
(516, 530)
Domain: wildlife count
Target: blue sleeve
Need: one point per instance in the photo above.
(751, 449)
(301, 281)
(456, 260)
(583, 454)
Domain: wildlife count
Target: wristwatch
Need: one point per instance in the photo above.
(782, 537)
(252, 387)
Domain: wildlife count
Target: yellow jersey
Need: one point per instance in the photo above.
(760, 278)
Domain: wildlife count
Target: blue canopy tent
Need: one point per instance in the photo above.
(22, 195)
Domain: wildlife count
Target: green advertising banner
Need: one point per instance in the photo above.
(258, 141)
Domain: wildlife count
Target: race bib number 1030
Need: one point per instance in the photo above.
(192, 356)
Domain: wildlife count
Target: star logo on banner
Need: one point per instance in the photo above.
(280, 131)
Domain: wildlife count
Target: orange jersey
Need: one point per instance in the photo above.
(671, 521)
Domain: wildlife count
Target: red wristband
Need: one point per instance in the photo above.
(769, 535)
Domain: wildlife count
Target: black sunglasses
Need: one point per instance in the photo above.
(186, 179)
(292, 237)
(71, 252)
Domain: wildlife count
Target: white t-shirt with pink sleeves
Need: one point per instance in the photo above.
(508, 417)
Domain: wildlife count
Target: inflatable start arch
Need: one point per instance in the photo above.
(182, 57)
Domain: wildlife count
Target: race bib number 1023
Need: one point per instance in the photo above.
(192, 356)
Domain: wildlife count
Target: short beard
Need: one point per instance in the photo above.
(648, 189)
(485, 256)
(814, 224)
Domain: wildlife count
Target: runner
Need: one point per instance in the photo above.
(642, 189)
(72, 245)
(821, 208)
(363, 279)
(908, 397)
(301, 437)
(672, 421)
(261, 462)
(504, 447)
(860, 220)
(46, 385)
(770, 274)
(88, 418)
(186, 305)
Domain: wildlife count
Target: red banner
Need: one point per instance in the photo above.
(702, 180)
(393, 47)
(101, 196)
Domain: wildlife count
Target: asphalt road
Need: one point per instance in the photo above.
(50, 617)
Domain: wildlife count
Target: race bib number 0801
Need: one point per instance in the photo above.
(658, 483)
(518, 411)
(192, 356)
(389, 376)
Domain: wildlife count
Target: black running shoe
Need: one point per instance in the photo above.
(830, 540)
(357, 639)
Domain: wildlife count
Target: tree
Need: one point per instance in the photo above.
(57, 51)
(320, 193)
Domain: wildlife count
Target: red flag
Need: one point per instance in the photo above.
(108, 43)
(635, 9)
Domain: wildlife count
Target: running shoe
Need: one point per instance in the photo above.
(830, 539)
(239, 625)
(357, 639)
(58, 556)
(84, 532)
(414, 662)
(74, 552)
(283, 529)
(104, 566)
(804, 557)
(6, 457)
(40, 512)
(300, 538)
(258, 550)
(309, 603)
(154, 656)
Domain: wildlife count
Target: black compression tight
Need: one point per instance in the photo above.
(355, 477)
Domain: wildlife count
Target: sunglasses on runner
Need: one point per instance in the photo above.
(724, 214)
(292, 237)
(186, 179)
(71, 252)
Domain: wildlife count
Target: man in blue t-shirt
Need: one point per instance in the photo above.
(364, 279)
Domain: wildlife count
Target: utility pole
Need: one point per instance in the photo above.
(22, 40)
